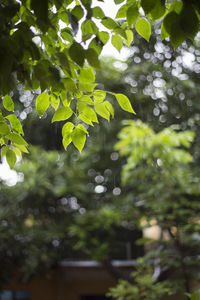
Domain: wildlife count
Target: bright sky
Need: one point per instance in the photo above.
(10, 177)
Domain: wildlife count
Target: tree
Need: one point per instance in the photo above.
(37, 53)
(168, 198)
(164, 91)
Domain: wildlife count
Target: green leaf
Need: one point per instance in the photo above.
(17, 151)
(85, 119)
(77, 53)
(81, 106)
(67, 134)
(22, 148)
(130, 37)
(16, 138)
(99, 96)
(4, 128)
(2, 119)
(101, 109)
(15, 123)
(169, 20)
(4, 150)
(118, 1)
(66, 98)
(187, 14)
(86, 75)
(67, 139)
(109, 107)
(120, 31)
(67, 128)
(78, 138)
(86, 3)
(148, 5)
(109, 23)
(158, 11)
(69, 84)
(63, 113)
(86, 99)
(67, 35)
(87, 87)
(42, 103)
(164, 33)
(132, 14)
(78, 12)
(88, 28)
(121, 14)
(11, 158)
(81, 127)
(103, 36)
(97, 13)
(63, 16)
(8, 103)
(96, 45)
(90, 114)
(54, 101)
(143, 27)
(40, 9)
(177, 35)
(92, 58)
(117, 42)
(124, 103)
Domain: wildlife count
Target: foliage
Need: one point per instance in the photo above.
(53, 216)
(144, 286)
(39, 53)
(195, 295)
(167, 200)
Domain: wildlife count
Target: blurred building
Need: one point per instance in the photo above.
(71, 280)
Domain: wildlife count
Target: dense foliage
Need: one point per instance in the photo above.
(167, 199)
(40, 49)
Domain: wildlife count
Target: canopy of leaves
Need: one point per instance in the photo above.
(39, 53)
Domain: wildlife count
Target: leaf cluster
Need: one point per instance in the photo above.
(39, 53)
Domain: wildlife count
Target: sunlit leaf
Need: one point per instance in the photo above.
(132, 14)
(109, 107)
(15, 123)
(16, 138)
(117, 42)
(68, 127)
(54, 101)
(11, 158)
(102, 110)
(129, 34)
(42, 103)
(103, 36)
(97, 12)
(87, 75)
(4, 128)
(124, 103)
(4, 149)
(143, 27)
(8, 103)
(81, 127)
(63, 113)
(78, 138)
